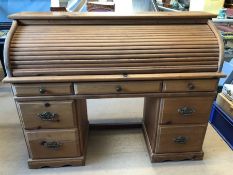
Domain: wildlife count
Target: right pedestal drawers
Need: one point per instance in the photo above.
(175, 123)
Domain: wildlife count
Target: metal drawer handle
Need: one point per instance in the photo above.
(186, 111)
(54, 145)
(181, 140)
(191, 86)
(118, 88)
(42, 90)
(48, 116)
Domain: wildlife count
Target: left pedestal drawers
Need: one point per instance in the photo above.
(55, 130)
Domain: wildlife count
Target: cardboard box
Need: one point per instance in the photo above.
(211, 6)
(227, 90)
(225, 104)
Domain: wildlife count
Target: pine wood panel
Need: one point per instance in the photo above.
(104, 49)
(43, 89)
(56, 163)
(117, 87)
(113, 70)
(150, 120)
(190, 85)
(64, 111)
(129, 77)
(171, 110)
(68, 140)
(109, 15)
(168, 135)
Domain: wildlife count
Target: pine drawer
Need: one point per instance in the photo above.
(118, 87)
(46, 89)
(185, 110)
(190, 85)
(48, 114)
(179, 139)
(53, 143)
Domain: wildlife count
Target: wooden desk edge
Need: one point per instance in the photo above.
(117, 77)
(111, 15)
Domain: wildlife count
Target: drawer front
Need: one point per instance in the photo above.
(53, 144)
(190, 85)
(118, 87)
(177, 139)
(47, 114)
(42, 89)
(185, 110)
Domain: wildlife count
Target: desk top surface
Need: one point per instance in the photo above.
(109, 15)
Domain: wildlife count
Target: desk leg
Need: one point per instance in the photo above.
(83, 125)
(150, 122)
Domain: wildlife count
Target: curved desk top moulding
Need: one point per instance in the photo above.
(111, 15)
(92, 18)
(105, 78)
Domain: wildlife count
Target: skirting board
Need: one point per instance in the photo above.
(170, 156)
(54, 163)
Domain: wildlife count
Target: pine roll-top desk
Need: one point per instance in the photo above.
(55, 61)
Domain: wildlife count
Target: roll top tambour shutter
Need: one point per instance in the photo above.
(84, 49)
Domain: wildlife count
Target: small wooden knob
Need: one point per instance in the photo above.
(47, 104)
(191, 86)
(118, 88)
(42, 90)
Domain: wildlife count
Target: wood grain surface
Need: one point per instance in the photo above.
(112, 49)
(69, 140)
(64, 110)
(43, 89)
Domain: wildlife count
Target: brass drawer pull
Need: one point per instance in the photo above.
(118, 88)
(186, 111)
(42, 90)
(48, 116)
(191, 86)
(181, 140)
(54, 145)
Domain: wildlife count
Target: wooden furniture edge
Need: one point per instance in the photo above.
(177, 156)
(71, 97)
(111, 15)
(147, 141)
(7, 46)
(54, 163)
(118, 77)
(220, 42)
(110, 126)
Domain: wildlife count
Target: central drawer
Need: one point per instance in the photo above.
(175, 139)
(53, 144)
(48, 114)
(118, 87)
